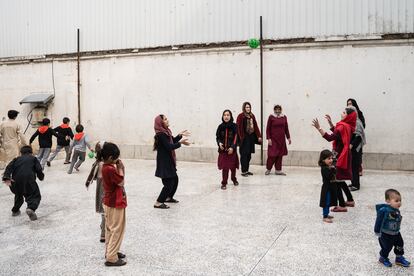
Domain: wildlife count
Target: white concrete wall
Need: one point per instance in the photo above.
(122, 95)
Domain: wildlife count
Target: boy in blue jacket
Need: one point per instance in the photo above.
(387, 228)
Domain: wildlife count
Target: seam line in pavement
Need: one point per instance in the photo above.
(267, 251)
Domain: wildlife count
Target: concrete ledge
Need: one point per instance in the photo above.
(376, 161)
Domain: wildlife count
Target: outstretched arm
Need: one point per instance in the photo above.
(34, 136)
(163, 139)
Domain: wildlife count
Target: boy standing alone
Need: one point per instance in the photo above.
(387, 228)
(115, 202)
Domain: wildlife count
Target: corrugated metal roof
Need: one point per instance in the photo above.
(41, 27)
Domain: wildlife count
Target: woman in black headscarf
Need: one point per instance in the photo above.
(352, 102)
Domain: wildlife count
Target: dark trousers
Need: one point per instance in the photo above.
(169, 189)
(32, 199)
(387, 241)
(343, 187)
(77, 159)
(245, 161)
(225, 174)
(274, 160)
(246, 150)
(356, 164)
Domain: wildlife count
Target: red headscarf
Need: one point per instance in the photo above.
(160, 128)
(345, 128)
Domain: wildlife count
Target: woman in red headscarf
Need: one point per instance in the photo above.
(165, 145)
(341, 137)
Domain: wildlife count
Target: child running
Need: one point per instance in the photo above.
(20, 176)
(63, 142)
(45, 141)
(328, 191)
(96, 174)
(387, 228)
(226, 137)
(79, 144)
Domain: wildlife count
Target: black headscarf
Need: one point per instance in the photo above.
(360, 114)
(230, 124)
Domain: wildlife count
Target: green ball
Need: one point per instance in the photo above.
(253, 43)
(91, 155)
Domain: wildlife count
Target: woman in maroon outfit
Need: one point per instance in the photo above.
(341, 137)
(277, 131)
(249, 135)
(226, 137)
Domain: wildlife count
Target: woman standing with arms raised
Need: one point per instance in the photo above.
(341, 137)
(165, 145)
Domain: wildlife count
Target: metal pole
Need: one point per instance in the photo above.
(261, 89)
(79, 84)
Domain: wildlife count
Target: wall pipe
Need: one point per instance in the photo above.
(261, 90)
(79, 84)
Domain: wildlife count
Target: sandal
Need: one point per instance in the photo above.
(327, 220)
(162, 206)
(172, 200)
(350, 204)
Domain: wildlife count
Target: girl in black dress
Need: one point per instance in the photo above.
(226, 137)
(329, 188)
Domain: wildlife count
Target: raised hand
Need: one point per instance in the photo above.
(315, 123)
(185, 133)
(184, 142)
(329, 119)
(120, 165)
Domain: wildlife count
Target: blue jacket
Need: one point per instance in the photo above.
(388, 220)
